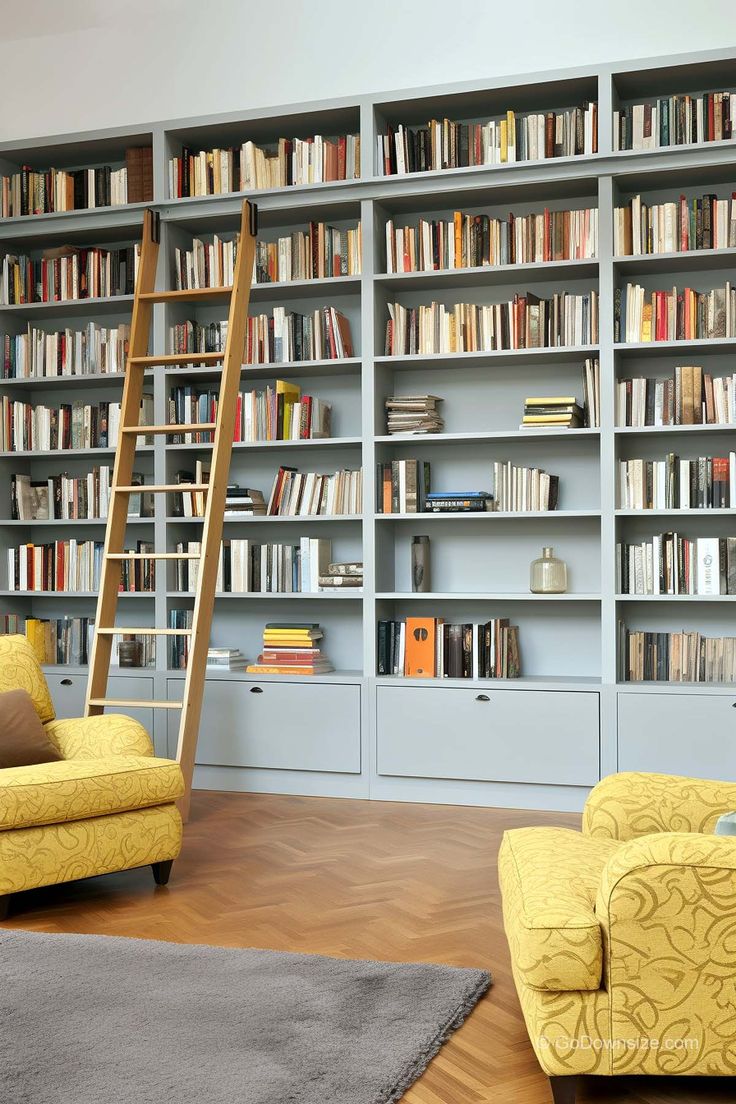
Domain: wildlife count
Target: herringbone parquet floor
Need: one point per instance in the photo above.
(356, 879)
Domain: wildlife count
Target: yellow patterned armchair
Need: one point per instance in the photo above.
(623, 937)
(107, 805)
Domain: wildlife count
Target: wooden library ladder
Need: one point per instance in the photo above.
(214, 491)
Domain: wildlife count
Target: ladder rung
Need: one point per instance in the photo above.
(115, 629)
(153, 556)
(185, 295)
(131, 702)
(184, 427)
(178, 358)
(158, 488)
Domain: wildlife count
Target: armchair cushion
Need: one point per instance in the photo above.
(22, 737)
(77, 789)
(102, 737)
(549, 878)
(20, 670)
(627, 805)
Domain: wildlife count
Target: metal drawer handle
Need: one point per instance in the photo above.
(482, 697)
(256, 689)
(66, 682)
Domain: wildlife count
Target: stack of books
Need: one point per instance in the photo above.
(413, 414)
(291, 649)
(226, 659)
(459, 502)
(345, 574)
(244, 502)
(555, 412)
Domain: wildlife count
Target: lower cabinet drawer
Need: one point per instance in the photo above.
(691, 734)
(68, 693)
(489, 735)
(277, 725)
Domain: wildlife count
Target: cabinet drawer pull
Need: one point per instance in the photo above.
(482, 697)
(66, 682)
(256, 689)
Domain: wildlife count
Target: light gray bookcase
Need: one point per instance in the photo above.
(540, 741)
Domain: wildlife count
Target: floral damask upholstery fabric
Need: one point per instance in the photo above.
(79, 788)
(556, 936)
(100, 737)
(624, 806)
(32, 857)
(20, 670)
(665, 905)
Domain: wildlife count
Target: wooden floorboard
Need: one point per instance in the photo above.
(356, 879)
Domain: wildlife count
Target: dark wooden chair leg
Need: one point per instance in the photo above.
(161, 871)
(564, 1089)
(5, 906)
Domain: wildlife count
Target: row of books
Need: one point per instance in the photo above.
(674, 227)
(471, 241)
(280, 413)
(68, 273)
(65, 497)
(72, 565)
(525, 322)
(67, 641)
(428, 647)
(320, 252)
(311, 160)
(198, 337)
(206, 264)
(38, 354)
(77, 425)
(413, 414)
(519, 489)
(36, 192)
(291, 648)
(706, 483)
(248, 567)
(684, 315)
(444, 144)
(286, 336)
(402, 486)
(690, 397)
(679, 120)
(302, 494)
(672, 564)
(675, 656)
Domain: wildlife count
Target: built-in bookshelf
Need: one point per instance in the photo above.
(494, 248)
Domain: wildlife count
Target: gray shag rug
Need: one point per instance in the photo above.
(92, 1020)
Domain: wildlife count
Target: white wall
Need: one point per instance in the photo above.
(78, 64)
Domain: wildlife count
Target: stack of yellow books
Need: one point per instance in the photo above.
(291, 649)
(557, 412)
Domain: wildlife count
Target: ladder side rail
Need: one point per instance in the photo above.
(117, 517)
(215, 503)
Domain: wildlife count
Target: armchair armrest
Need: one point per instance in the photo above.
(627, 805)
(110, 734)
(667, 908)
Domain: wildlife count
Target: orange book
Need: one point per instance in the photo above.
(457, 219)
(420, 647)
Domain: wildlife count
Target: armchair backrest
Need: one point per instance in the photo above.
(20, 670)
